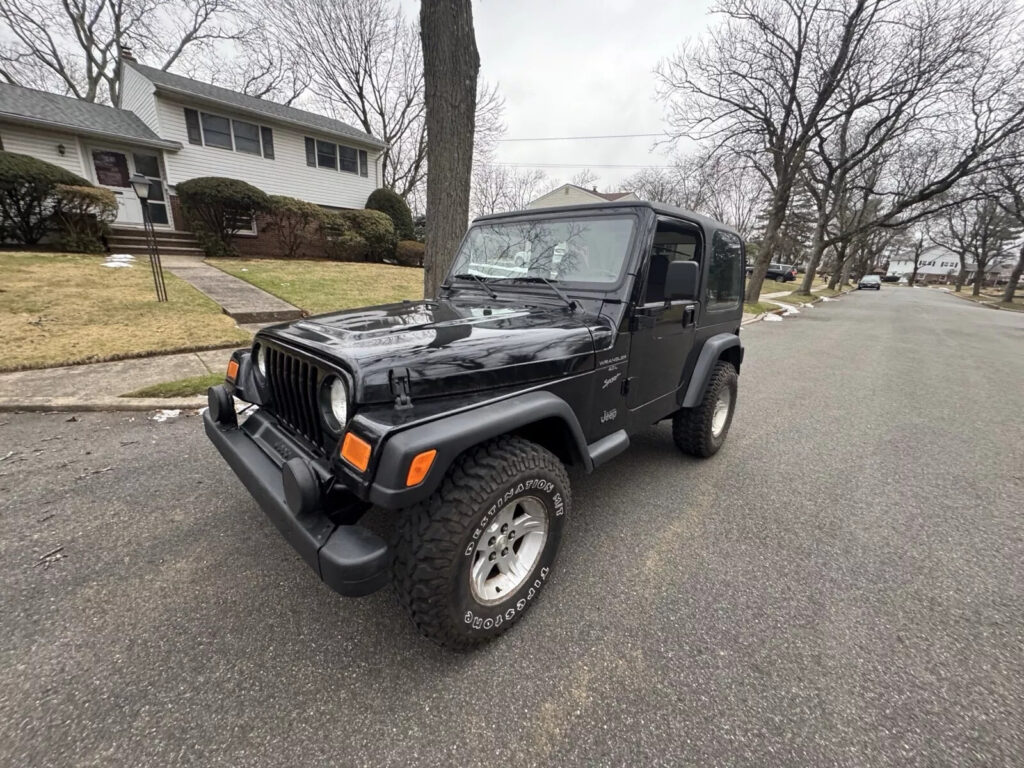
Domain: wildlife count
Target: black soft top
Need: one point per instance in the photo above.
(704, 222)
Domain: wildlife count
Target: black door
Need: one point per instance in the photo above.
(662, 339)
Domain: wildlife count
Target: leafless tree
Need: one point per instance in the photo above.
(498, 188)
(450, 67)
(761, 82)
(73, 46)
(980, 229)
(365, 65)
(585, 178)
(1010, 194)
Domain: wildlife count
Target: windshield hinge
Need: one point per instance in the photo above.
(399, 380)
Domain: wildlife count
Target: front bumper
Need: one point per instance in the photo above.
(348, 558)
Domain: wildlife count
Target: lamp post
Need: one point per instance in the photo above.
(141, 186)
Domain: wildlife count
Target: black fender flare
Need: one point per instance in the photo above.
(709, 355)
(451, 435)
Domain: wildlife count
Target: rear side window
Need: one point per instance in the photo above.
(725, 272)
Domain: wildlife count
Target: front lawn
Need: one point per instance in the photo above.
(995, 300)
(324, 286)
(196, 385)
(59, 309)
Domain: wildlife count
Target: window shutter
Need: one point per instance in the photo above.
(363, 170)
(267, 134)
(192, 126)
(310, 152)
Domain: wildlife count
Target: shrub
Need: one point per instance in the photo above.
(376, 229)
(218, 207)
(27, 189)
(297, 223)
(340, 241)
(83, 216)
(409, 253)
(390, 202)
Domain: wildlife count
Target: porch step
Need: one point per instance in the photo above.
(161, 234)
(165, 249)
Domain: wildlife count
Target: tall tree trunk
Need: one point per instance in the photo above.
(450, 66)
(770, 243)
(841, 257)
(817, 248)
(961, 276)
(1015, 276)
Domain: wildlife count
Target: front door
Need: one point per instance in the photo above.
(114, 169)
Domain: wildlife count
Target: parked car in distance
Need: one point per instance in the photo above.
(780, 273)
(870, 281)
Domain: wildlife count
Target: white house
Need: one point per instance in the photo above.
(570, 194)
(171, 128)
(937, 265)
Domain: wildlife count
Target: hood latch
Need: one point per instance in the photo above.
(398, 378)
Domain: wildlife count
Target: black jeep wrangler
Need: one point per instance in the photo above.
(558, 334)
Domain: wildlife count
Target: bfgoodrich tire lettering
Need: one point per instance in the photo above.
(437, 541)
(695, 430)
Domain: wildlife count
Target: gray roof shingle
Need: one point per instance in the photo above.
(27, 105)
(167, 82)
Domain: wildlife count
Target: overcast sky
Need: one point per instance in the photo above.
(580, 68)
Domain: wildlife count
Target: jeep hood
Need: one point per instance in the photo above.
(448, 346)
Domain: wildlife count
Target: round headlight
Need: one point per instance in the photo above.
(261, 361)
(337, 403)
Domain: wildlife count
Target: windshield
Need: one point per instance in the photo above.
(573, 250)
(871, 279)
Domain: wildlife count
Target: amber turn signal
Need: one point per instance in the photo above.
(419, 467)
(232, 370)
(356, 452)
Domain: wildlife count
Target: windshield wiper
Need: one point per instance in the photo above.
(571, 303)
(480, 280)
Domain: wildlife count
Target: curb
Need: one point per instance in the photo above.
(65, 404)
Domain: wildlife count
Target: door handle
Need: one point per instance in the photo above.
(689, 315)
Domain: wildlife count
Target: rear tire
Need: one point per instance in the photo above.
(445, 546)
(702, 430)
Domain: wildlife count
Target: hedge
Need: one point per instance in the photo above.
(410, 253)
(27, 195)
(390, 202)
(376, 229)
(218, 207)
(297, 224)
(340, 240)
(83, 215)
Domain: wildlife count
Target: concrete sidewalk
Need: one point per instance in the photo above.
(244, 302)
(97, 386)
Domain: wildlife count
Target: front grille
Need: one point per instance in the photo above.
(294, 386)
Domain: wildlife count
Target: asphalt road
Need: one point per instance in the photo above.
(842, 585)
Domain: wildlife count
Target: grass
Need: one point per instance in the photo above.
(758, 308)
(61, 309)
(197, 385)
(994, 300)
(324, 286)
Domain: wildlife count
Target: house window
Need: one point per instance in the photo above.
(195, 135)
(326, 155)
(268, 142)
(349, 159)
(216, 131)
(238, 135)
(247, 137)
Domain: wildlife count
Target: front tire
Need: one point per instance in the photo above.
(472, 558)
(701, 431)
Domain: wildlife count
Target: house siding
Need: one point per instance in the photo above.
(565, 195)
(286, 174)
(138, 95)
(43, 145)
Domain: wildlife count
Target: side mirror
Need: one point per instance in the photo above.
(682, 280)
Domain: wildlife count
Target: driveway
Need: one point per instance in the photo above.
(842, 585)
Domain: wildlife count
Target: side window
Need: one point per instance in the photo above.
(725, 272)
(672, 242)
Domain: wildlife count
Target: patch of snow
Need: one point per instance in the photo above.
(826, 298)
(166, 414)
(117, 260)
(773, 318)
